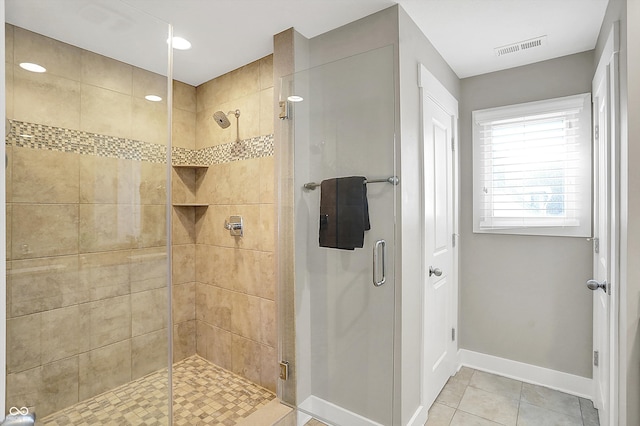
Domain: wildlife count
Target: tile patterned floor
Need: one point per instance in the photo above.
(204, 394)
(475, 398)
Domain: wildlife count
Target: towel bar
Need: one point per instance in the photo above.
(393, 180)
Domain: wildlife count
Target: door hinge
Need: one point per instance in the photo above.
(453, 144)
(597, 132)
(596, 245)
(453, 334)
(284, 370)
(453, 240)
(596, 358)
(284, 110)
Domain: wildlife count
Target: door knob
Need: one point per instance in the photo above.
(595, 285)
(434, 271)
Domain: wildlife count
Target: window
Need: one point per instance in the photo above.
(532, 168)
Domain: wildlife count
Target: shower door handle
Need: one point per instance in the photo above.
(379, 249)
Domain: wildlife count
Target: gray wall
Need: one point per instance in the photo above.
(523, 298)
(414, 49)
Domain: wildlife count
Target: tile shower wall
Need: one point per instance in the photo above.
(235, 277)
(86, 297)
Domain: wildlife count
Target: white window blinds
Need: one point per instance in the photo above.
(532, 168)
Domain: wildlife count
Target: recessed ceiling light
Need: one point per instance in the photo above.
(180, 43)
(153, 98)
(295, 98)
(32, 67)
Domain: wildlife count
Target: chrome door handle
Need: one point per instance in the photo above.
(376, 249)
(435, 271)
(595, 285)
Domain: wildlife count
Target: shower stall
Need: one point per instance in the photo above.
(339, 121)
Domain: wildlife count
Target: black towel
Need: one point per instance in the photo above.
(344, 212)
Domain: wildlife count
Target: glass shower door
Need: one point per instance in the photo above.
(341, 122)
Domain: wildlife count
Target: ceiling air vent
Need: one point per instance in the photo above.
(521, 45)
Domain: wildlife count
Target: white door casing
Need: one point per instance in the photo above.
(440, 298)
(605, 228)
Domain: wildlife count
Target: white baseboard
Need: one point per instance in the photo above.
(302, 418)
(419, 418)
(333, 413)
(564, 382)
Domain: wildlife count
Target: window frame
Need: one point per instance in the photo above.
(579, 225)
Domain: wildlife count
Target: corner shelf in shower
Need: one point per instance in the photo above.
(190, 205)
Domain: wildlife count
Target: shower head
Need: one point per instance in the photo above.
(221, 118)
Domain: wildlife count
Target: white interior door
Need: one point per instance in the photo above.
(605, 272)
(439, 111)
(601, 278)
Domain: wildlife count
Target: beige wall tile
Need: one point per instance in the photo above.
(184, 263)
(267, 227)
(245, 358)
(214, 92)
(217, 308)
(267, 180)
(249, 106)
(46, 99)
(246, 316)
(269, 367)
(267, 114)
(60, 333)
(149, 83)
(106, 180)
(104, 275)
(244, 270)
(236, 182)
(210, 227)
(183, 304)
(152, 182)
(8, 43)
(105, 227)
(268, 326)
(106, 112)
(219, 348)
(204, 333)
(205, 264)
(208, 133)
(148, 269)
(183, 186)
(42, 176)
(183, 128)
(43, 284)
(149, 353)
(184, 96)
(266, 286)
(149, 122)
(23, 388)
(107, 73)
(206, 185)
(104, 368)
(183, 228)
(266, 72)
(23, 343)
(148, 311)
(58, 58)
(8, 90)
(8, 227)
(105, 322)
(245, 80)
(40, 230)
(224, 264)
(184, 340)
(154, 232)
(59, 386)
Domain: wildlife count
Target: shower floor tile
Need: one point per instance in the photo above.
(204, 394)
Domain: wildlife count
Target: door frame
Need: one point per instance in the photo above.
(431, 87)
(608, 66)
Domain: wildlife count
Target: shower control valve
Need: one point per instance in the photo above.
(234, 225)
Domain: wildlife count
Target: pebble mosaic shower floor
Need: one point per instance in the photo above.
(204, 394)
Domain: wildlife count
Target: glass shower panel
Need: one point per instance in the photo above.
(87, 273)
(344, 126)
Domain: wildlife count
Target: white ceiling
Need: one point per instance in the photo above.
(227, 34)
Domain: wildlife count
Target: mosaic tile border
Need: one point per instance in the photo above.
(41, 136)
